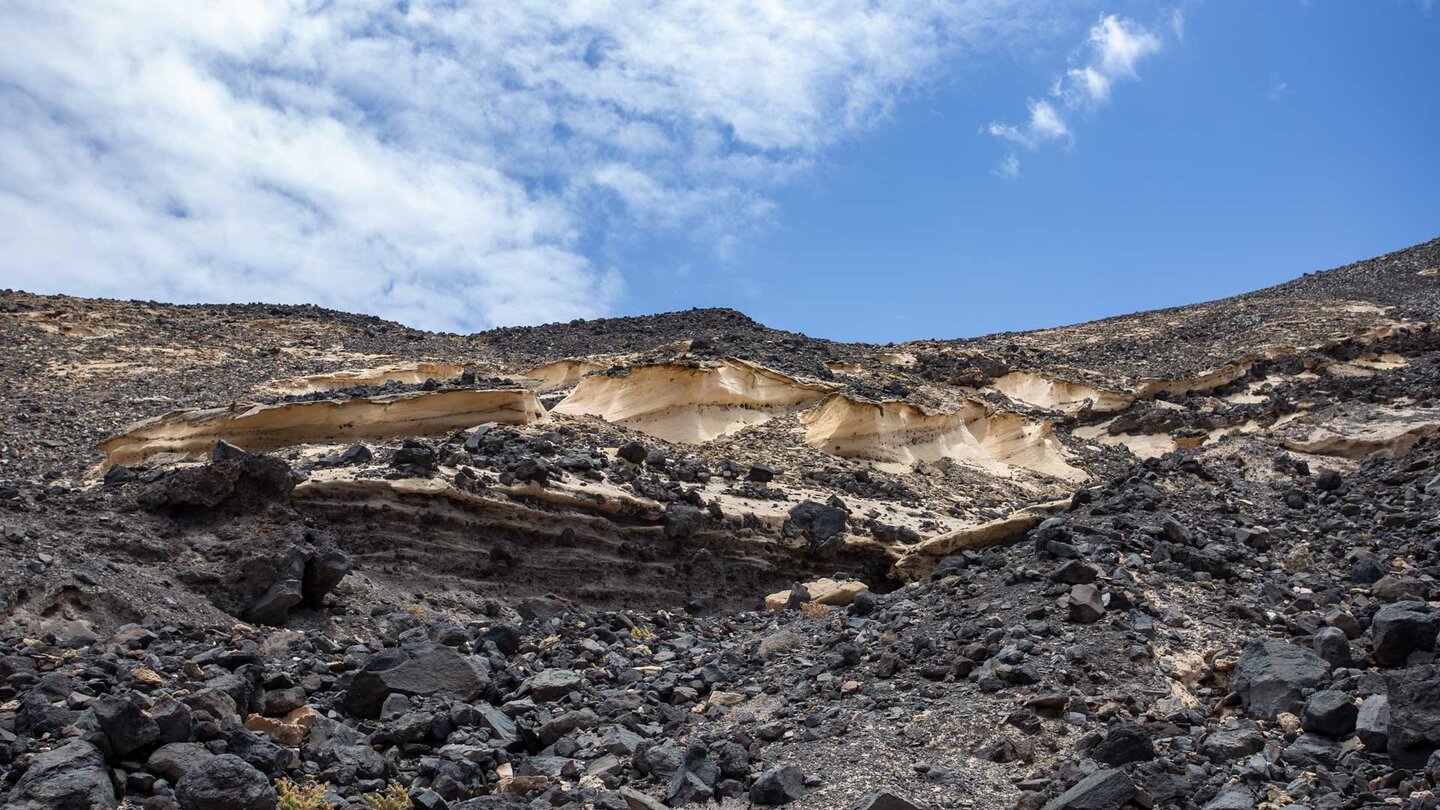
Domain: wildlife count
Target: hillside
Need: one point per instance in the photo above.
(1181, 558)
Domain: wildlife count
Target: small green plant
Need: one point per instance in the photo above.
(394, 798)
(309, 796)
(638, 633)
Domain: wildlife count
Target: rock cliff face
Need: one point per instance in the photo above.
(1182, 558)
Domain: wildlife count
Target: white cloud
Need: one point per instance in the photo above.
(1277, 87)
(451, 165)
(1045, 124)
(1114, 48)
(1009, 168)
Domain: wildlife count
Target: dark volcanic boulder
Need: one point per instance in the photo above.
(1330, 712)
(225, 782)
(429, 670)
(633, 452)
(281, 581)
(1414, 727)
(1372, 723)
(681, 521)
(1274, 675)
(343, 753)
(238, 484)
(323, 571)
(71, 777)
(778, 786)
(1123, 744)
(883, 801)
(1402, 628)
(817, 522)
(173, 760)
(551, 684)
(1102, 790)
(125, 723)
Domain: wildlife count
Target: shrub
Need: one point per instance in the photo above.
(394, 798)
(309, 796)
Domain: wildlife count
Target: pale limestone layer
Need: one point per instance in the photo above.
(683, 403)
(561, 373)
(918, 562)
(406, 373)
(1370, 433)
(267, 427)
(1060, 395)
(902, 433)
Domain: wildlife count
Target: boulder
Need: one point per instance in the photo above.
(125, 723)
(633, 452)
(694, 781)
(1401, 628)
(1102, 790)
(1414, 728)
(173, 760)
(1372, 723)
(71, 777)
(778, 786)
(1123, 744)
(236, 484)
(1329, 712)
(1235, 797)
(1086, 606)
(825, 591)
(551, 684)
(817, 522)
(1331, 644)
(323, 572)
(1273, 676)
(225, 782)
(429, 670)
(681, 521)
(883, 801)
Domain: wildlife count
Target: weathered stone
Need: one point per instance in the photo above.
(71, 777)
(225, 782)
(1273, 676)
(778, 786)
(1402, 628)
(1102, 790)
(431, 670)
(551, 684)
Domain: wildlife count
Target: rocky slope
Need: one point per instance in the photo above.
(259, 556)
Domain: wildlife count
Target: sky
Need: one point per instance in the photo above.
(875, 170)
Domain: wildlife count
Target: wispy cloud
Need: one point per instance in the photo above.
(1276, 88)
(1009, 168)
(450, 165)
(1111, 53)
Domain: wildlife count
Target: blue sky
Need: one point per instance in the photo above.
(1276, 139)
(858, 169)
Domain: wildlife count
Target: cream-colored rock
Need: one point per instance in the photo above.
(1370, 433)
(824, 591)
(922, 559)
(561, 373)
(407, 373)
(777, 600)
(1060, 395)
(267, 427)
(1206, 381)
(690, 403)
(903, 433)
